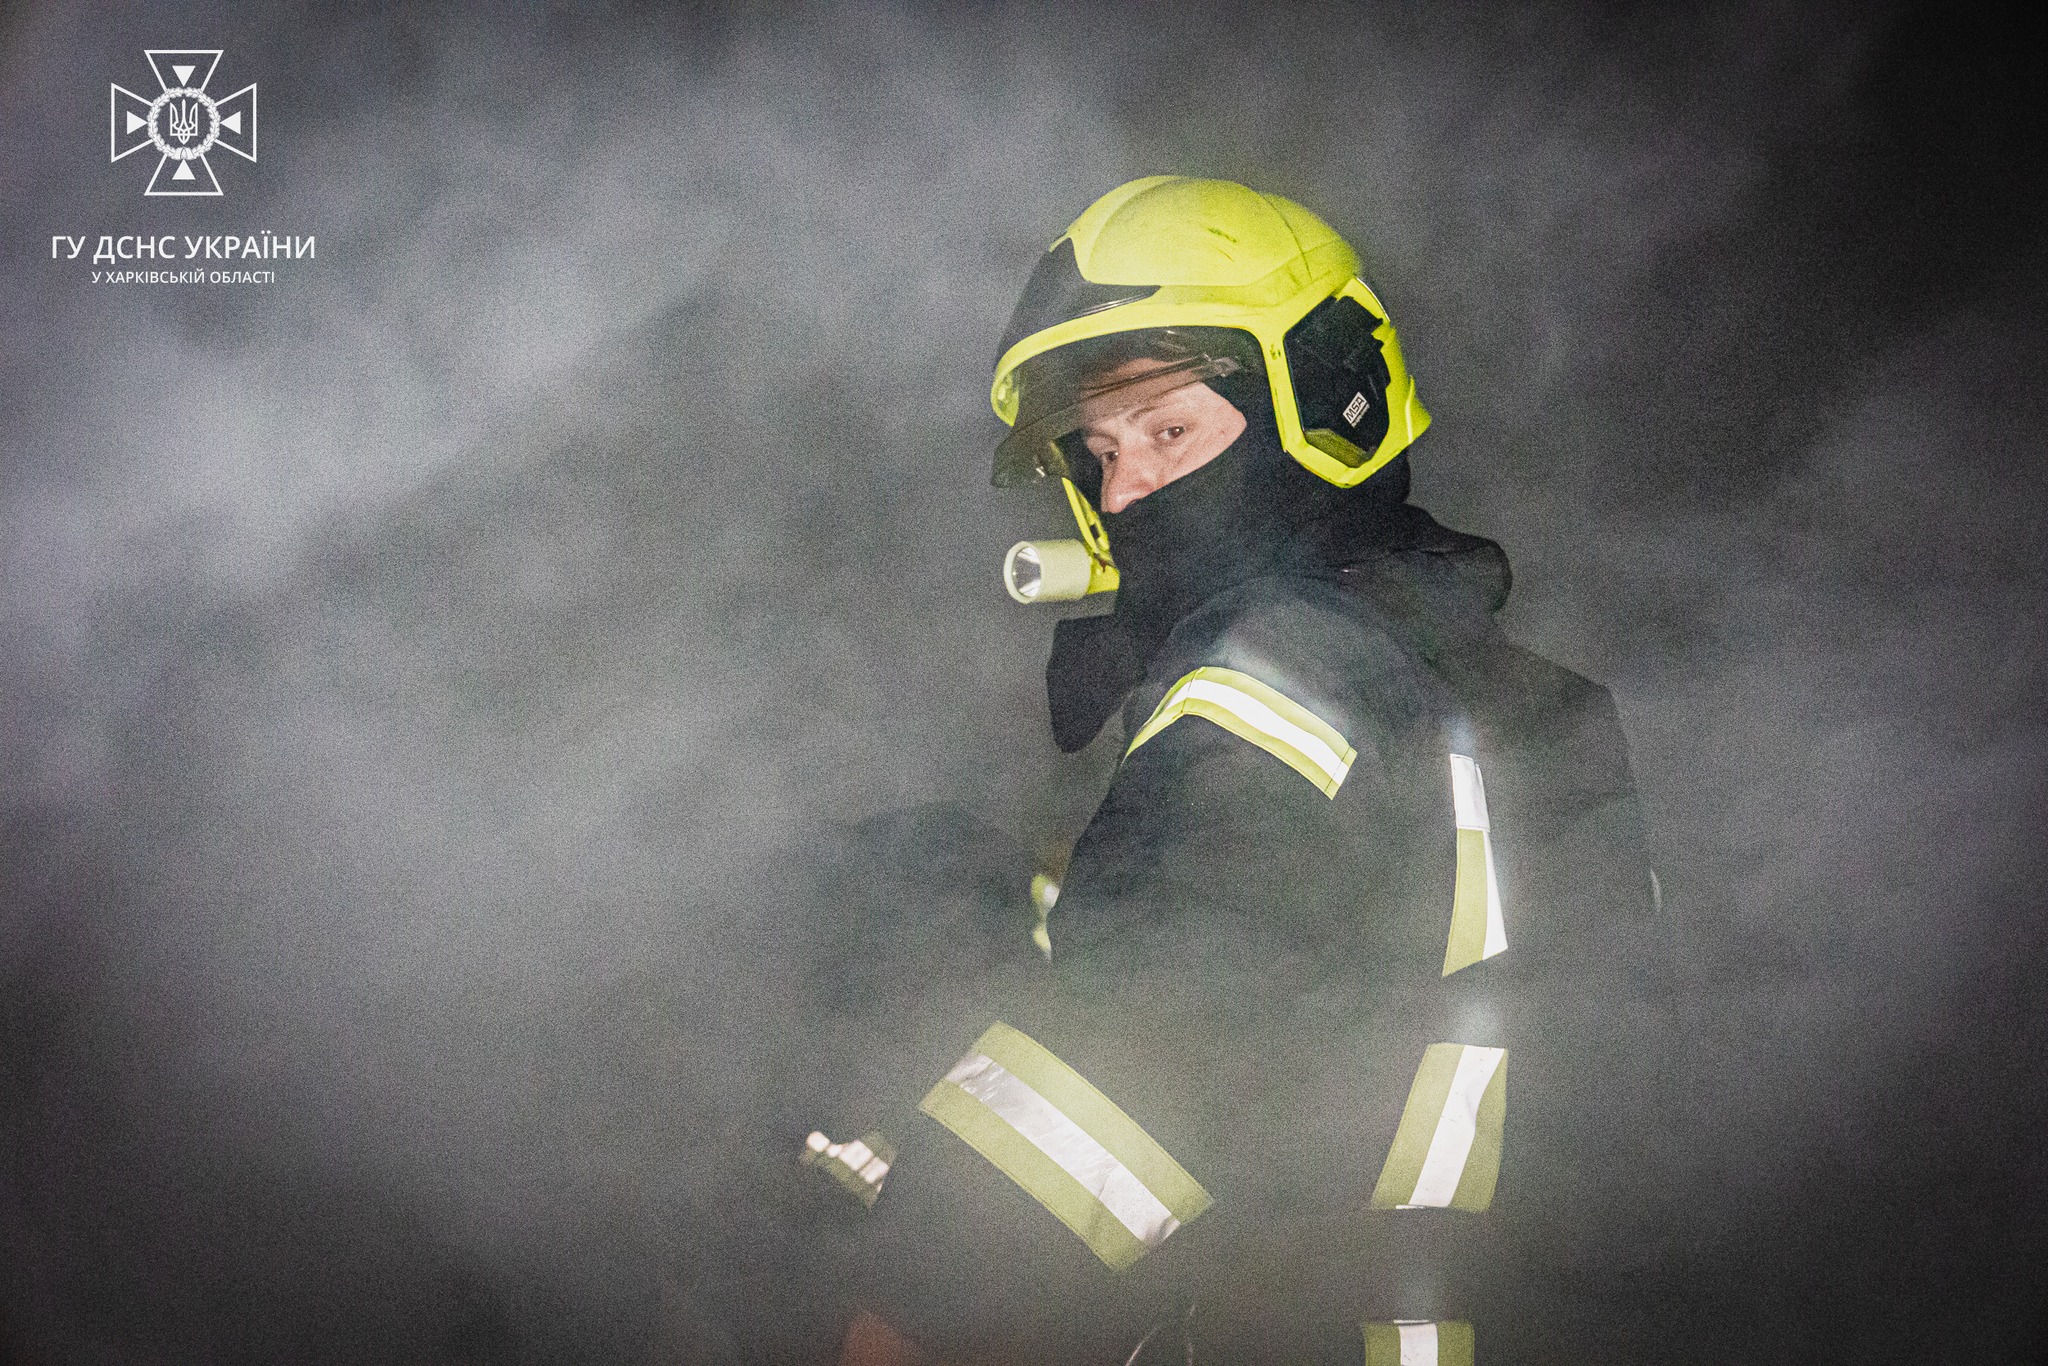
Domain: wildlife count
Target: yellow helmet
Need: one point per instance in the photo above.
(1174, 253)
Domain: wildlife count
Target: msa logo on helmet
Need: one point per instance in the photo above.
(1340, 376)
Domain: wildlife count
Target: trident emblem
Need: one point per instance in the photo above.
(183, 123)
(184, 119)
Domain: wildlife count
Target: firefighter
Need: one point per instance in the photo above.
(1339, 1054)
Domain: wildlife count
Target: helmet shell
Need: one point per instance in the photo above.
(1172, 251)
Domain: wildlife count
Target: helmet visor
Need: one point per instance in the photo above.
(1058, 292)
(1055, 402)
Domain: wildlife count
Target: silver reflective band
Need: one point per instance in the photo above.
(1260, 713)
(1468, 797)
(1478, 927)
(1468, 793)
(1264, 719)
(1446, 1149)
(1418, 1343)
(1456, 1129)
(1068, 1145)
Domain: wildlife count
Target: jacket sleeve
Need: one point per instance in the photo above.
(1223, 924)
(1206, 845)
(1206, 953)
(1250, 821)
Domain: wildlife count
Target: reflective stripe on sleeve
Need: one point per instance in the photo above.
(1446, 1151)
(1261, 714)
(1066, 1144)
(1478, 930)
(1418, 1342)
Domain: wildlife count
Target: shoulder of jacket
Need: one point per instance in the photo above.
(1316, 645)
(1305, 627)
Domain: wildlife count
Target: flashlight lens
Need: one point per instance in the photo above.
(1027, 574)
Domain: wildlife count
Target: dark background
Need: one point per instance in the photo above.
(411, 667)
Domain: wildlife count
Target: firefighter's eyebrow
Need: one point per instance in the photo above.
(1132, 414)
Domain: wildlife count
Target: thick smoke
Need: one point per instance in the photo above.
(420, 673)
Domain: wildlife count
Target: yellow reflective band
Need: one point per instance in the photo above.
(1067, 1145)
(860, 1166)
(1478, 929)
(1418, 1342)
(1263, 715)
(1446, 1151)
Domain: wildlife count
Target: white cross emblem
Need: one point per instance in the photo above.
(184, 123)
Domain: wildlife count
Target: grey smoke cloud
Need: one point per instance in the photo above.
(416, 671)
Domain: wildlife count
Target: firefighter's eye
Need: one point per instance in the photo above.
(1173, 433)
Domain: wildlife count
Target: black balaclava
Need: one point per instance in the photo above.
(1251, 511)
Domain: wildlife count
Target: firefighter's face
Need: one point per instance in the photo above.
(1146, 444)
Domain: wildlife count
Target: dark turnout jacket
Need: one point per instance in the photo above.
(1256, 960)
